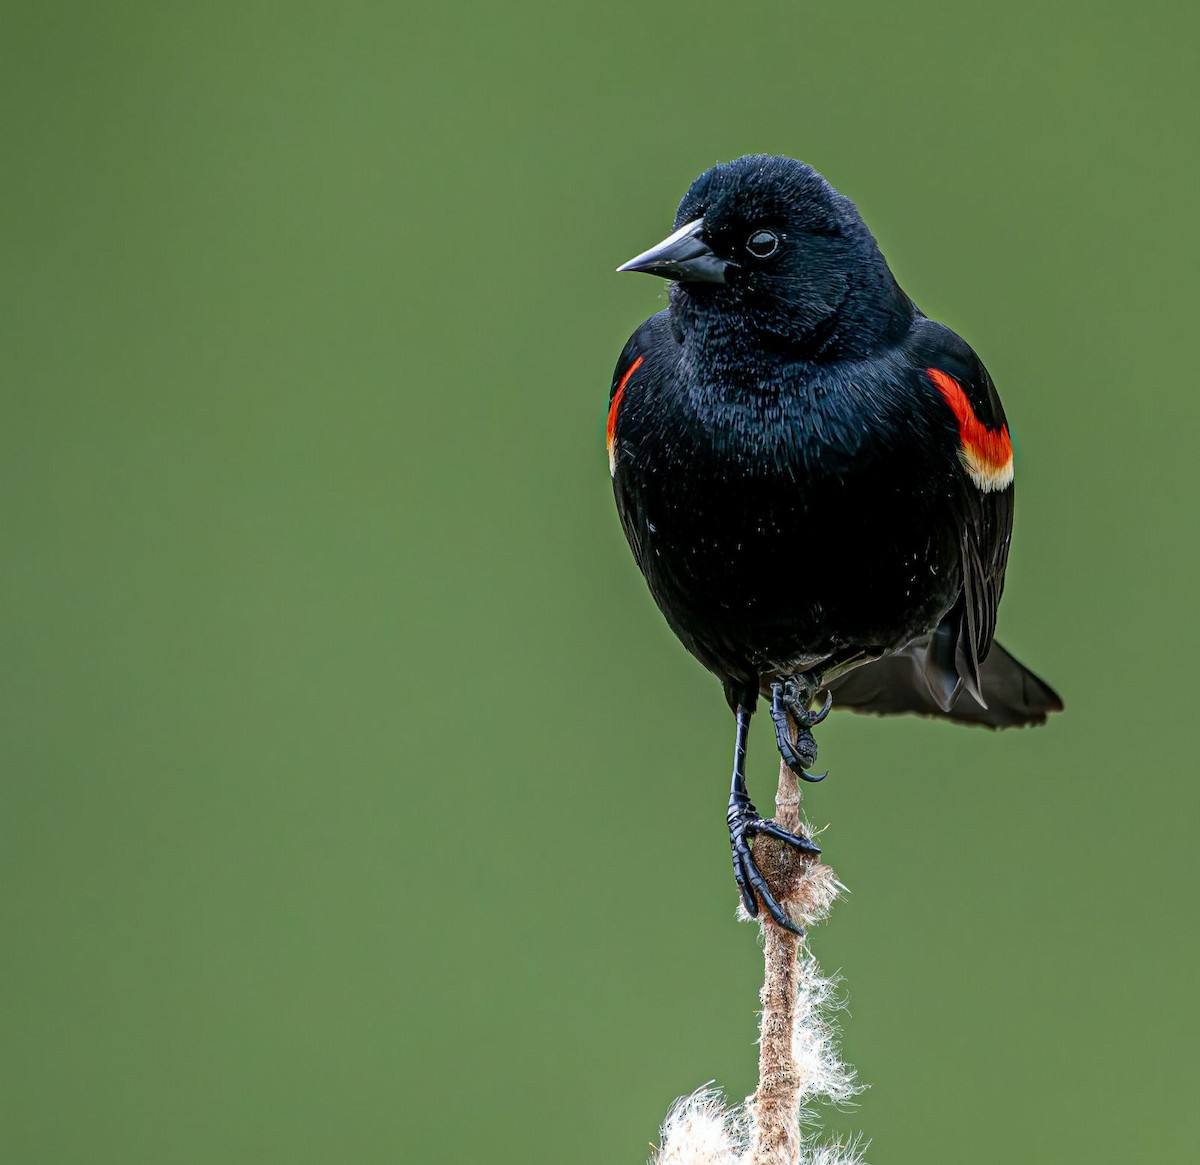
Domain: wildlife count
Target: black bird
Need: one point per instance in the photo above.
(815, 479)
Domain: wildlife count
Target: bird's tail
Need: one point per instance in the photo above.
(1012, 694)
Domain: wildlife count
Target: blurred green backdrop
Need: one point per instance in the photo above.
(357, 804)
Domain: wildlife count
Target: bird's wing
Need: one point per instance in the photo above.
(646, 358)
(975, 423)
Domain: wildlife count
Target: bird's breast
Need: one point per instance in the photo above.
(801, 513)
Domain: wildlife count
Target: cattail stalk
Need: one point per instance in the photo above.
(798, 1057)
(774, 1109)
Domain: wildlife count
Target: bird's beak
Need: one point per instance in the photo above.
(684, 256)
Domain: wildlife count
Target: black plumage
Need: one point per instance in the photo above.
(815, 479)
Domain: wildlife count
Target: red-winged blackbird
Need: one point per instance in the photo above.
(816, 480)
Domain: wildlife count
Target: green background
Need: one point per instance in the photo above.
(356, 804)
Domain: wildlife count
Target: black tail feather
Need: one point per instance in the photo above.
(898, 683)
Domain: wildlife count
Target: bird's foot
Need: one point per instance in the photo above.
(790, 700)
(745, 823)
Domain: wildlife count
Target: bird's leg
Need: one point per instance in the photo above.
(745, 823)
(790, 700)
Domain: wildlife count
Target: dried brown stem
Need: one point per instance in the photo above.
(803, 887)
(798, 1059)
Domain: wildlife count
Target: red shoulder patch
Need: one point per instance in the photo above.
(985, 453)
(615, 408)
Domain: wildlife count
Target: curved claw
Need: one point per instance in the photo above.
(815, 718)
(774, 909)
(811, 778)
(796, 756)
(796, 761)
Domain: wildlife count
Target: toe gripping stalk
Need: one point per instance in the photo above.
(745, 823)
(789, 704)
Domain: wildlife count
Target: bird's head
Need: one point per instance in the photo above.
(767, 244)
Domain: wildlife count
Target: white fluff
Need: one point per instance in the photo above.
(702, 1129)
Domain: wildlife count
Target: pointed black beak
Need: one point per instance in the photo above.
(684, 256)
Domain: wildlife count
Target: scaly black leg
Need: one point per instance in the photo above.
(746, 822)
(789, 702)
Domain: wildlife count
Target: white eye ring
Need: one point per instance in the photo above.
(762, 244)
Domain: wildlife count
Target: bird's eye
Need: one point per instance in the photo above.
(763, 244)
